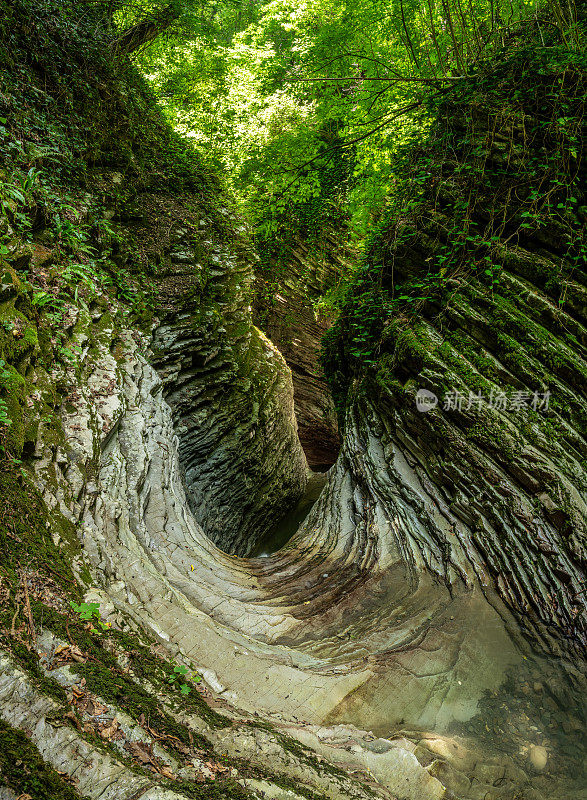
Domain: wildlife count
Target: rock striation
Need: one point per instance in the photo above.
(227, 384)
(286, 307)
(482, 314)
(338, 627)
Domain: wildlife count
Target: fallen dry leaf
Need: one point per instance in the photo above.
(95, 708)
(216, 767)
(142, 752)
(67, 777)
(71, 716)
(65, 653)
(109, 730)
(166, 773)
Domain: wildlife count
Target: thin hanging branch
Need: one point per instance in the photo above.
(328, 153)
(398, 79)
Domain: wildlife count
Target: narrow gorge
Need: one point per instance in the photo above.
(166, 413)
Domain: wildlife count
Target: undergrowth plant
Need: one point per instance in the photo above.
(90, 612)
(181, 677)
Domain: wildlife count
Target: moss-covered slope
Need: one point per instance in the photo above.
(474, 290)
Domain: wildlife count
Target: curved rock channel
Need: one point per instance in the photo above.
(346, 636)
(406, 638)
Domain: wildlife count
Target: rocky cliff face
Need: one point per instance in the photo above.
(383, 652)
(336, 628)
(480, 352)
(227, 384)
(284, 306)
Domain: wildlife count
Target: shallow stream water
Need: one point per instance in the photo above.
(455, 674)
(494, 710)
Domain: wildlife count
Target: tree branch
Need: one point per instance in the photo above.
(348, 143)
(360, 79)
(147, 29)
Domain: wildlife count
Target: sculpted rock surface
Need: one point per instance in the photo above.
(496, 464)
(385, 650)
(230, 392)
(344, 625)
(284, 308)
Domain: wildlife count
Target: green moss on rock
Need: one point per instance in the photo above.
(26, 531)
(24, 771)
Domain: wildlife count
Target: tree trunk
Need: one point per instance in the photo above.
(147, 29)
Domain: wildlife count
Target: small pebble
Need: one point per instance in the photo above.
(538, 756)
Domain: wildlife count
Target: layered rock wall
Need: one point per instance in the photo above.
(287, 307)
(479, 298)
(227, 384)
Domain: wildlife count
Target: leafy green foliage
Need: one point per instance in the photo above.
(454, 221)
(90, 612)
(181, 677)
(308, 107)
(261, 85)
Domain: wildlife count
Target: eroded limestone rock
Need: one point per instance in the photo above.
(284, 308)
(343, 625)
(231, 396)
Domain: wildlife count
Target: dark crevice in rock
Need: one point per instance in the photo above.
(284, 307)
(281, 533)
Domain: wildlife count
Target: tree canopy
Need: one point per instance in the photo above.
(304, 104)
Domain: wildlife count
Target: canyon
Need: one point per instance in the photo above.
(420, 635)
